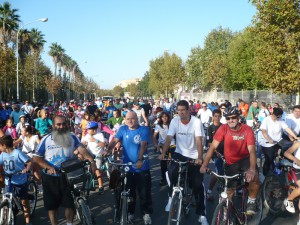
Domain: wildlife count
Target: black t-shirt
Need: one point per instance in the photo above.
(212, 129)
(147, 108)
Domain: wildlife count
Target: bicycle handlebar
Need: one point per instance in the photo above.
(224, 176)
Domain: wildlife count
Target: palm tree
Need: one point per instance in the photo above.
(56, 51)
(37, 45)
(9, 21)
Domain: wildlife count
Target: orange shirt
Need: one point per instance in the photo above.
(244, 109)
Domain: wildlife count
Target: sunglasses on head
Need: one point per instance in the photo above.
(233, 118)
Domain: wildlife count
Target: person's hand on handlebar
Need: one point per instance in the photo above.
(161, 157)
(250, 174)
(203, 168)
(199, 162)
(139, 164)
(50, 170)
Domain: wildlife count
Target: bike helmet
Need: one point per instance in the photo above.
(230, 111)
(92, 125)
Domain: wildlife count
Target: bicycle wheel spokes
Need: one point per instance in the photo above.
(221, 216)
(32, 196)
(175, 210)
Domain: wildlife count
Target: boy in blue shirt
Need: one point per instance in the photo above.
(14, 160)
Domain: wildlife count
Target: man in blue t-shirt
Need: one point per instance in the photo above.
(134, 139)
(54, 149)
(15, 115)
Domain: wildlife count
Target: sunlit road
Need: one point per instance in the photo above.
(102, 207)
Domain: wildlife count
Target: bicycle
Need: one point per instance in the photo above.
(182, 194)
(227, 212)
(120, 191)
(278, 185)
(11, 204)
(78, 177)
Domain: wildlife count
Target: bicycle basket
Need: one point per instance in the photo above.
(115, 178)
(74, 171)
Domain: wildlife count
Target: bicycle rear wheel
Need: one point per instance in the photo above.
(273, 194)
(220, 216)
(6, 214)
(175, 210)
(84, 213)
(32, 196)
(124, 212)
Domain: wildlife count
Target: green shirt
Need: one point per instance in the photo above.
(252, 111)
(114, 121)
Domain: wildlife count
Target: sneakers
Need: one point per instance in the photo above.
(130, 218)
(202, 220)
(101, 191)
(251, 208)
(289, 205)
(168, 206)
(147, 219)
(210, 196)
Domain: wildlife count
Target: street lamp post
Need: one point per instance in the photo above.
(17, 49)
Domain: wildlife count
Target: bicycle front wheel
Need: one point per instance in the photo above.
(6, 214)
(32, 196)
(220, 216)
(175, 210)
(124, 212)
(273, 194)
(84, 213)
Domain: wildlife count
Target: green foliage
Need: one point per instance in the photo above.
(118, 91)
(132, 89)
(277, 27)
(194, 68)
(166, 73)
(143, 86)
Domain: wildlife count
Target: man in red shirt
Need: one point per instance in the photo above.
(239, 153)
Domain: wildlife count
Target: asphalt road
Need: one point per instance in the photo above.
(102, 207)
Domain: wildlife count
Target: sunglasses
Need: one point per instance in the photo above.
(61, 124)
(222, 108)
(233, 118)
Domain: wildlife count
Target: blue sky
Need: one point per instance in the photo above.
(114, 40)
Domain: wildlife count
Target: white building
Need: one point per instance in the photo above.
(125, 83)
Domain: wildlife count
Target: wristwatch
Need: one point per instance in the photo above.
(97, 141)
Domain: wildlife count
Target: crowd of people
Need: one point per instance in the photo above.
(49, 134)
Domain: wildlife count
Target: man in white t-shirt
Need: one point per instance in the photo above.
(78, 115)
(187, 130)
(204, 113)
(140, 112)
(272, 127)
(293, 121)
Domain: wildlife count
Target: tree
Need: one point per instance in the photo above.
(143, 86)
(214, 61)
(132, 89)
(9, 22)
(194, 69)
(118, 91)
(277, 26)
(241, 61)
(53, 85)
(56, 51)
(166, 73)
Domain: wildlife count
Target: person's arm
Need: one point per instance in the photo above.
(144, 116)
(14, 133)
(110, 146)
(165, 147)
(155, 142)
(291, 134)
(289, 153)
(199, 161)
(28, 167)
(143, 148)
(251, 172)
(212, 148)
(266, 136)
(85, 153)
(17, 142)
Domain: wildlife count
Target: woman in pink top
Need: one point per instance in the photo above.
(8, 129)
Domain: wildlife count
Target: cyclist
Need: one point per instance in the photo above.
(239, 153)
(110, 109)
(16, 113)
(161, 131)
(95, 143)
(293, 153)
(43, 123)
(9, 129)
(55, 148)
(252, 113)
(188, 133)
(293, 122)
(140, 112)
(134, 139)
(20, 125)
(271, 128)
(217, 160)
(13, 160)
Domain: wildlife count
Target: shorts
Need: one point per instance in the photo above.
(240, 166)
(56, 192)
(20, 190)
(98, 160)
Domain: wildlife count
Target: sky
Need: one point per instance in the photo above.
(114, 40)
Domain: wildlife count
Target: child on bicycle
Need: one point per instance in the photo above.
(13, 160)
(95, 143)
(293, 153)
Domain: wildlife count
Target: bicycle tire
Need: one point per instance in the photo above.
(32, 196)
(220, 216)
(124, 212)
(273, 195)
(84, 213)
(4, 215)
(187, 200)
(175, 210)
